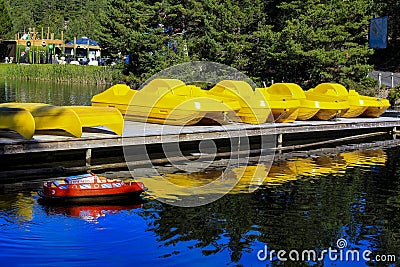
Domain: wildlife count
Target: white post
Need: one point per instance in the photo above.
(280, 141)
(88, 157)
(392, 79)
(380, 80)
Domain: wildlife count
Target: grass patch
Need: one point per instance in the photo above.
(61, 73)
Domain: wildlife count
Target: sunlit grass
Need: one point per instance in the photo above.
(60, 73)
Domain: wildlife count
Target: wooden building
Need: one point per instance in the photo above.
(34, 47)
(83, 47)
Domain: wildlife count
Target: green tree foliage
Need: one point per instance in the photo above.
(320, 41)
(75, 18)
(136, 29)
(307, 41)
(5, 22)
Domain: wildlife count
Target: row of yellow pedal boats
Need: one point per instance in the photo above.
(171, 101)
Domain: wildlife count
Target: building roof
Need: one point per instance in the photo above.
(84, 41)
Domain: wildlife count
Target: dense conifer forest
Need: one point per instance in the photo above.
(307, 41)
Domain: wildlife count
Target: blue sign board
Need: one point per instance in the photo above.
(378, 32)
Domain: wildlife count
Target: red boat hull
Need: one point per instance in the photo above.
(112, 190)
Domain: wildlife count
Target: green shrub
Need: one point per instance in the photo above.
(394, 95)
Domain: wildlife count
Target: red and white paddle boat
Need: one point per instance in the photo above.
(88, 187)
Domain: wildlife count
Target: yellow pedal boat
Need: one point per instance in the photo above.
(48, 117)
(365, 106)
(332, 100)
(165, 101)
(253, 106)
(283, 101)
(18, 120)
(286, 95)
(100, 116)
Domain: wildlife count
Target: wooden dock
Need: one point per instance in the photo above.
(300, 134)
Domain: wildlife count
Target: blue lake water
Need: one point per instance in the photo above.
(303, 204)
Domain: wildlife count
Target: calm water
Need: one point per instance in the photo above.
(46, 92)
(304, 204)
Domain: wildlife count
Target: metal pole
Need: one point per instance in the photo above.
(280, 141)
(380, 80)
(88, 157)
(392, 79)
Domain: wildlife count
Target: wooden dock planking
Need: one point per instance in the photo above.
(137, 133)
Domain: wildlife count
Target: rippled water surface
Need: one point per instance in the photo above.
(303, 204)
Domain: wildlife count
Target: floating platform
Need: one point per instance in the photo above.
(300, 134)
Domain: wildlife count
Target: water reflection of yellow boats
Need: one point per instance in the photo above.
(176, 186)
(253, 106)
(284, 100)
(165, 101)
(20, 204)
(332, 99)
(247, 178)
(18, 120)
(365, 158)
(319, 166)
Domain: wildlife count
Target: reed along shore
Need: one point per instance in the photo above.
(61, 73)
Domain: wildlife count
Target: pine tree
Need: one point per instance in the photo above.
(5, 22)
(321, 41)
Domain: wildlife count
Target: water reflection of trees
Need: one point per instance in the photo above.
(300, 214)
(45, 92)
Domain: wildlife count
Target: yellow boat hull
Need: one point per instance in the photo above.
(163, 115)
(306, 112)
(285, 115)
(165, 101)
(374, 112)
(332, 100)
(48, 117)
(354, 111)
(100, 116)
(365, 105)
(253, 107)
(17, 120)
(329, 110)
(284, 111)
(327, 114)
(284, 100)
(170, 101)
(117, 96)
